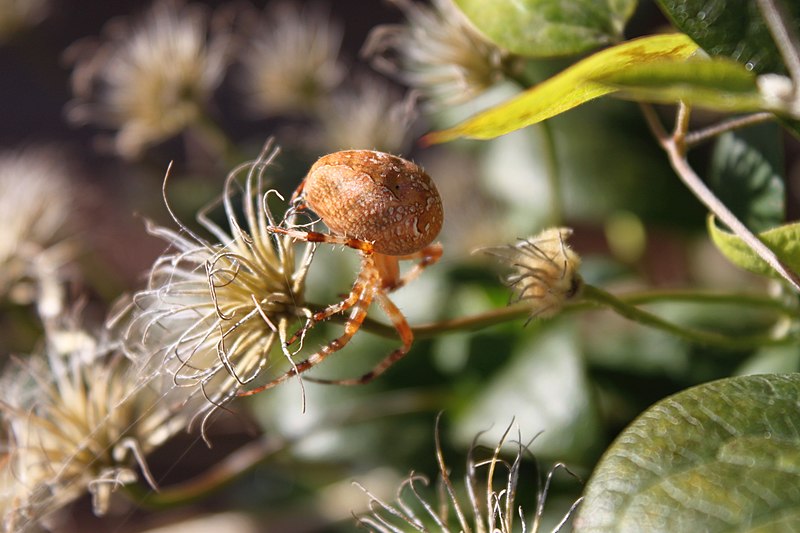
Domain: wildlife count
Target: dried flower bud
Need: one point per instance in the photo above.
(216, 314)
(437, 51)
(292, 63)
(36, 206)
(151, 79)
(545, 271)
(74, 422)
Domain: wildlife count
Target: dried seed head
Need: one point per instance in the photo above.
(216, 314)
(152, 79)
(368, 111)
(292, 61)
(36, 205)
(75, 422)
(489, 503)
(375, 197)
(437, 51)
(545, 271)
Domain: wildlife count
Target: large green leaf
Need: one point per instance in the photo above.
(747, 175)
(719, 83)
(720, 457)
(567, 89)
(731, 28)
(547, 28)
(783, 240)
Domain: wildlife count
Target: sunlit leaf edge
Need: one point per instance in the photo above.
(783, 240)
(567, 89)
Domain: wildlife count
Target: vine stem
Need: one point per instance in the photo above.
(552, 166)
(553, 173)
(635, 314)
(216, 477)
(706, 297)
(675, 146)
(625, 305)
(256, 452)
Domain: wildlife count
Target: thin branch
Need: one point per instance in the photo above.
(654, 123)
(721, 211)
(467, 323)
(219, 475)
(749, 300)
(786, 39)
(675, 147)
(693, 138)
(708, 338)
(681, 128)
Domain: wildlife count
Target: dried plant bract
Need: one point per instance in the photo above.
(217, 311)
(151, 79)
(544, 271)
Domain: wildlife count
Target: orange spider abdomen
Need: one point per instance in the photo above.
(376, 197)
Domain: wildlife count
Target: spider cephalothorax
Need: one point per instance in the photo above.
(388, 209)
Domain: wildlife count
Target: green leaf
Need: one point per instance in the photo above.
(547, 28)
(734, 29)
(731, 28)
(784, 241)
(719, 84)
(720, 457)
(747, 175)
(567, 89)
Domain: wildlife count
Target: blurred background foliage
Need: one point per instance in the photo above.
(572, 382)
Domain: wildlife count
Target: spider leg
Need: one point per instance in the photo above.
(427, 256)
(349, 301)
(406, 335)
(314, 236)
(365, 289)
(298, 191)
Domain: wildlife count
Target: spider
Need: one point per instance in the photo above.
(389, 210)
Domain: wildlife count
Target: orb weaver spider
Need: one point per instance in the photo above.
(389, 210)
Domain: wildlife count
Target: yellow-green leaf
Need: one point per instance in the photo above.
(568, 89)
(714, 83)
(783, 240)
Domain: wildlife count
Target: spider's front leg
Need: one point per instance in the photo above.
(403, 330)
(356, 295)
(367, 269)
(365, 288)
(315, 236)
(425, 258)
